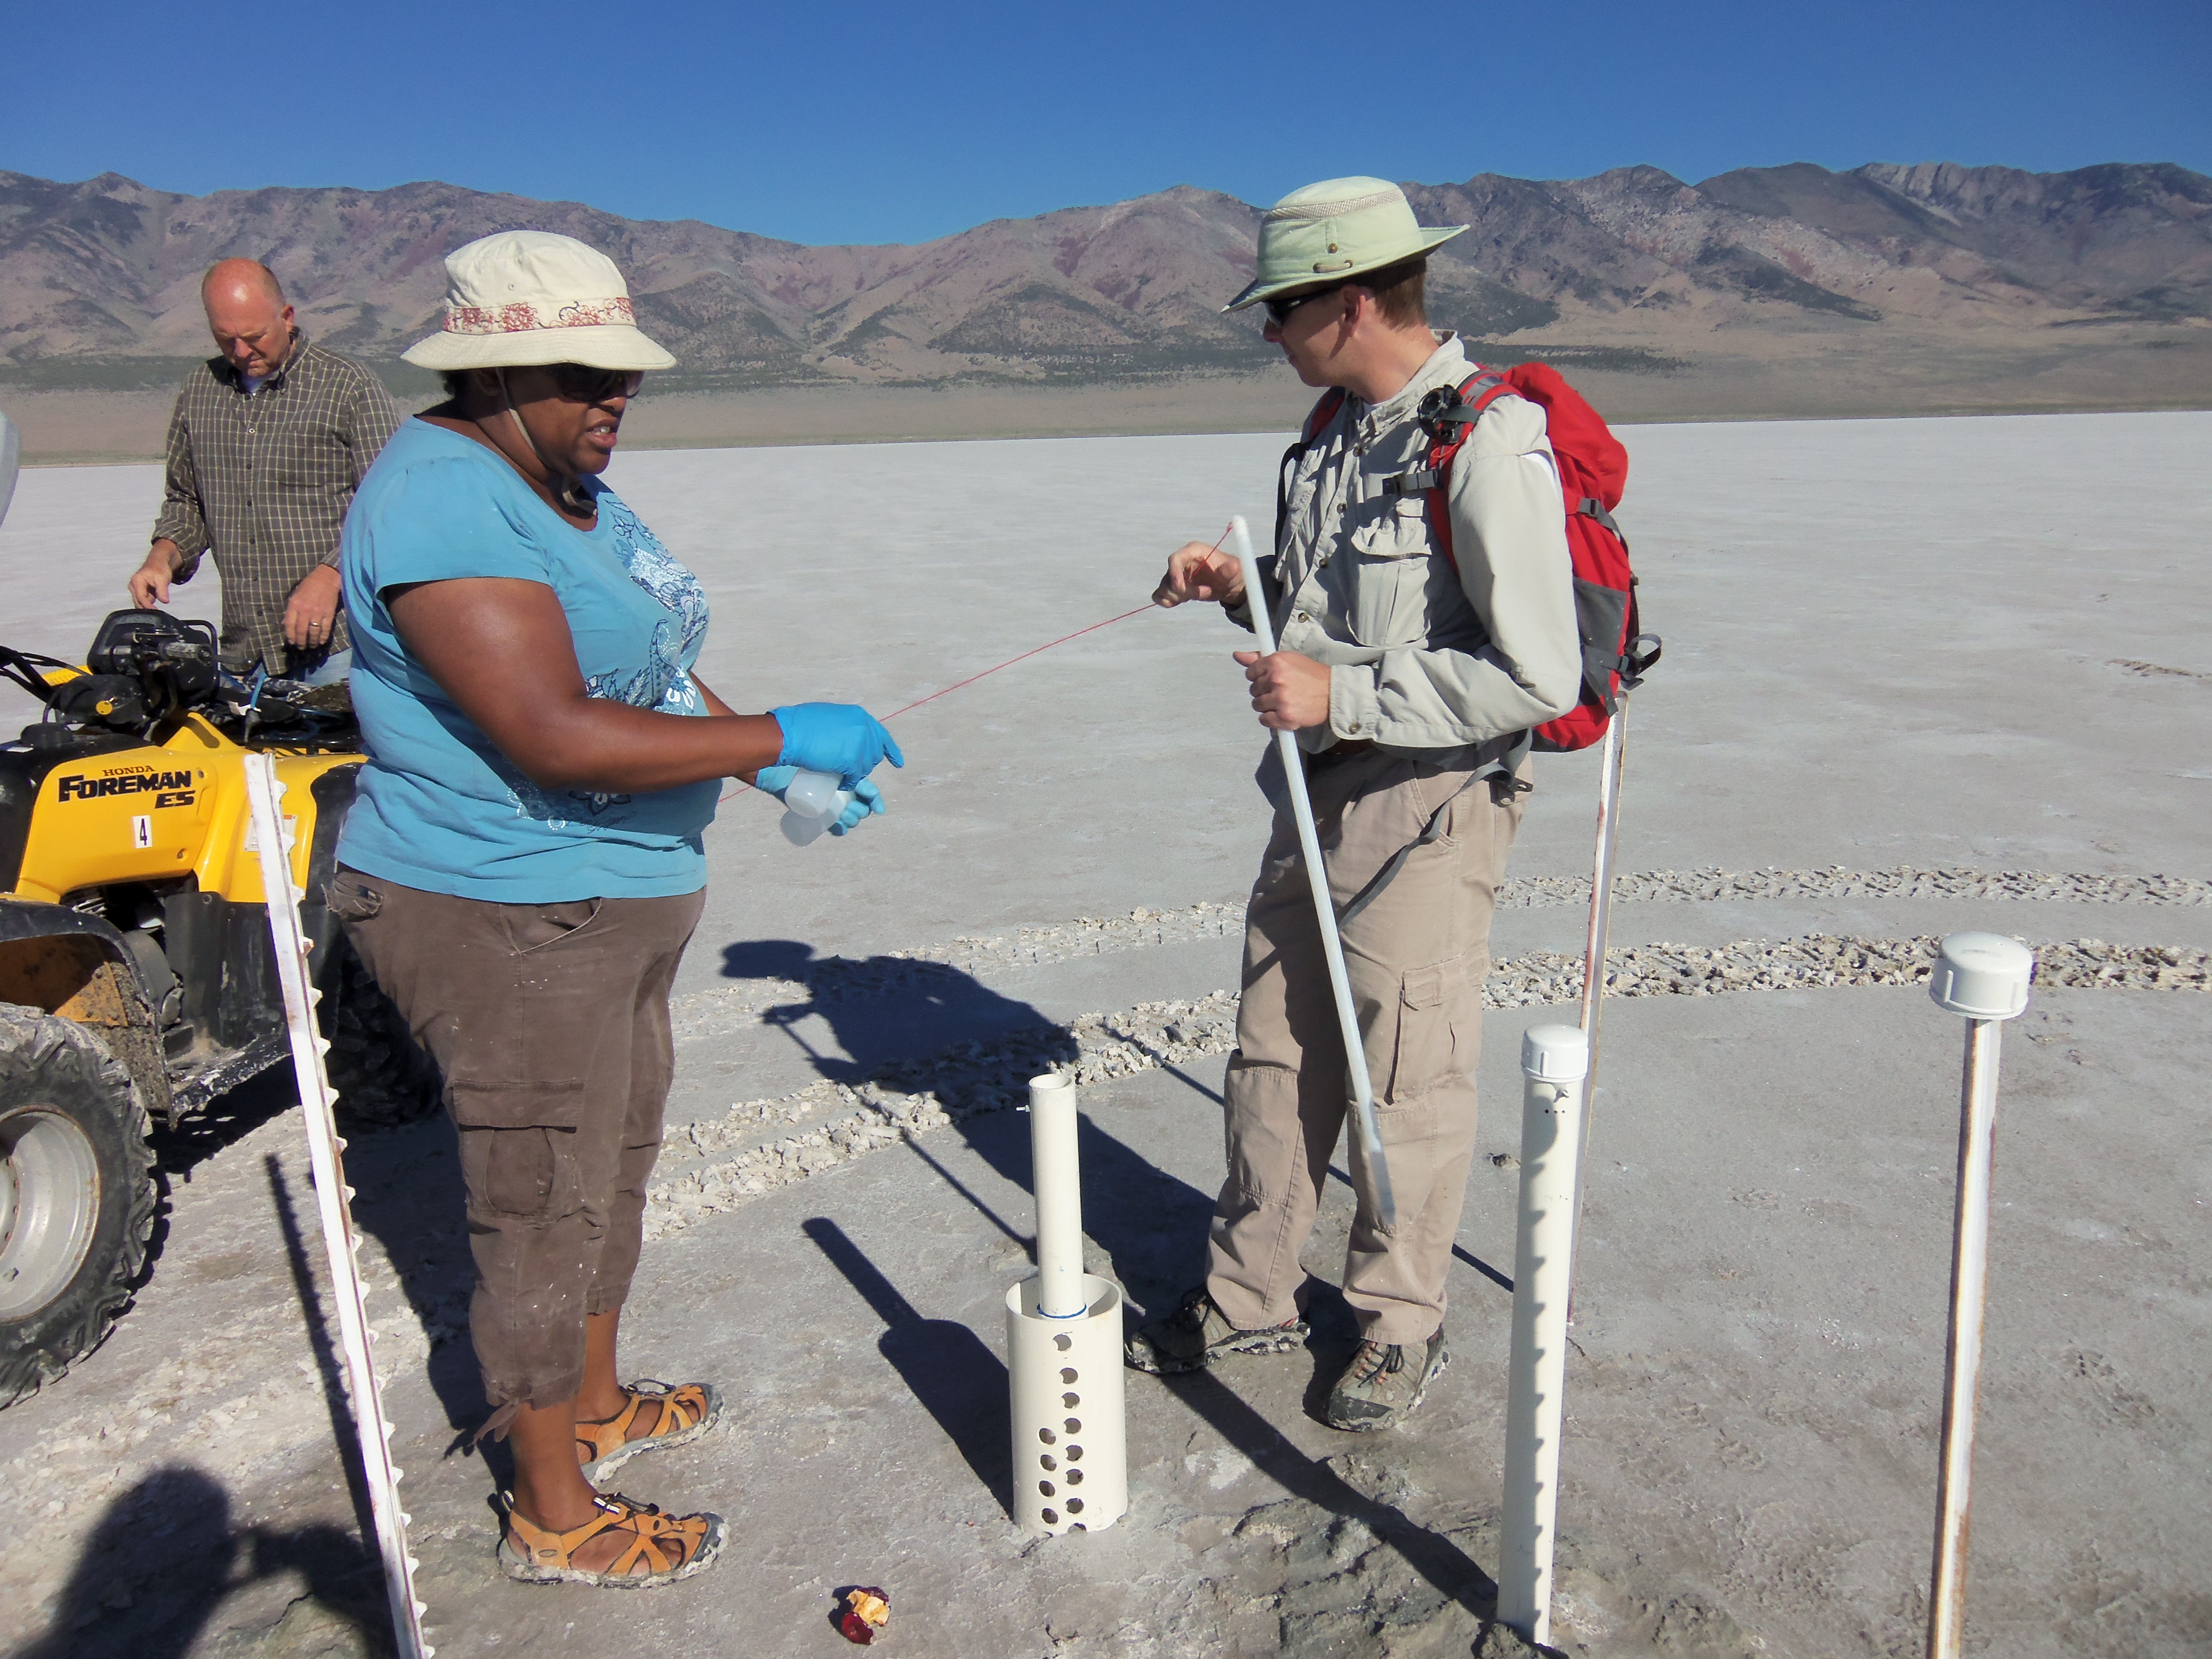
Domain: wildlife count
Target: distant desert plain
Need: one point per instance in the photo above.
(1768, 293)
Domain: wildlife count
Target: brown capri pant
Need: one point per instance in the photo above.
(550, 1023)
(1417, 957)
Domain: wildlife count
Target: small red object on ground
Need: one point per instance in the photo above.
(868, 1610)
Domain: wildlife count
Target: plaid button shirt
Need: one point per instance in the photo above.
(264, 481)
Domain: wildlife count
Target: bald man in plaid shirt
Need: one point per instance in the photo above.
(268, 443)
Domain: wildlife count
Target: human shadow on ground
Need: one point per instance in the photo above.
(957, 1380)
(892, 1014)
(166, 1554)
(878, 1009)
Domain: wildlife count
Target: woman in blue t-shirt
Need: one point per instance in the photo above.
(523, 863)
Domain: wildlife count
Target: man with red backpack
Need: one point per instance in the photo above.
(1426, 606)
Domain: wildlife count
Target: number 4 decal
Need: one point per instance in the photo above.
(142, 831)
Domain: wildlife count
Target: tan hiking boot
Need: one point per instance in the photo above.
(1197, 1334)
(1383, 1383)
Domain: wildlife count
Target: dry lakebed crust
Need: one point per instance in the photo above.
(1920, 676)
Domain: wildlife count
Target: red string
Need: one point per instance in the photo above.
(1011, 661)
(1025, 657)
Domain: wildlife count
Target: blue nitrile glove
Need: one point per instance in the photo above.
(840, 737)
(775, 780)
(866, 799)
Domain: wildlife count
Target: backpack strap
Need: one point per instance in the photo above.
(1590, 507)
(1450, 416)
(1321, 414)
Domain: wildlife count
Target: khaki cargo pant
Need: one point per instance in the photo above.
(1417, 957)
(550, 1023)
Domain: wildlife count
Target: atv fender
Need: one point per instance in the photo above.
(78, 968)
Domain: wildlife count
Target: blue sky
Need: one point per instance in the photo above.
(866, 122)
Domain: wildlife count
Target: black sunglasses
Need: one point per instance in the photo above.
(1279, 309)
(579, 383)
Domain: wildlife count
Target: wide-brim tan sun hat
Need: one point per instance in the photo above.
(519, 298)
(1333, 231)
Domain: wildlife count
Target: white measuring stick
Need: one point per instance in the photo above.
(264, 794)
(1294, 772)
(1612, 759)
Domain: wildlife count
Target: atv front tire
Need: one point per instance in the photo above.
(76, 1195)
(381, 1075)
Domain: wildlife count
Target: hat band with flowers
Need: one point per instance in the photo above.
(520, 316)
(524, 297)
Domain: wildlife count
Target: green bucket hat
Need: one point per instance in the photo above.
(1332, 231)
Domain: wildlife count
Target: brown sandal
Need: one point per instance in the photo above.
(686, 1412)
(662, 1548)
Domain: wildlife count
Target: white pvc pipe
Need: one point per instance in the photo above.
(1071, 1457)
(11, 457)
(1064, 1367)
(1294, 773)
(265, 796)
(1056, 1176)
(1555, 1064)
(1985, 977)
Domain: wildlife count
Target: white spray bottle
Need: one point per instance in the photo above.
(812, 801)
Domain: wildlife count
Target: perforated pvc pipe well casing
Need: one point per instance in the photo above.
(1070, 1462)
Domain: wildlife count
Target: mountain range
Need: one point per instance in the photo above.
(99, 279)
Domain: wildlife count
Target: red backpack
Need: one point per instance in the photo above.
(1592, 469)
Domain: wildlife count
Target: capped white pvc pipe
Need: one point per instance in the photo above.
(1064, 1348)
(1555, 1064)
(1294, 772)
(1985, 977)
(1057, 1177)
(264, 795)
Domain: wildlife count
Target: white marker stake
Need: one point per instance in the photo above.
(1554, 1063)
(1064, 1348)
(264, 794)
(1294, 772)
(1984, 976)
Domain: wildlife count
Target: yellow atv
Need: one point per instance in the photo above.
(136, 976)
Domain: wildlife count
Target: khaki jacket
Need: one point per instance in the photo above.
(1418, 661)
